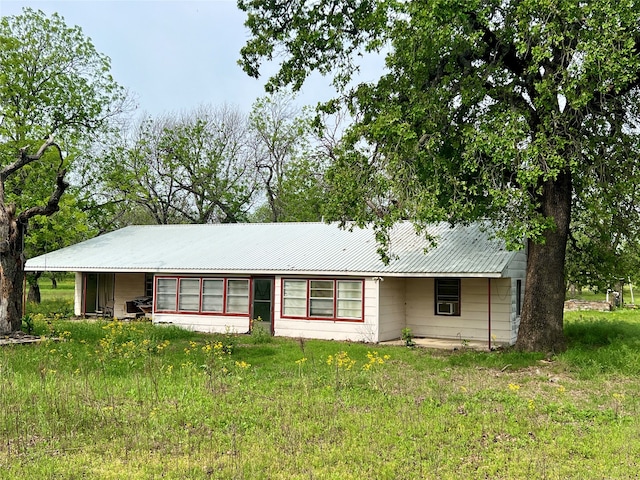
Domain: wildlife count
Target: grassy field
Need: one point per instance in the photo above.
(112, 400)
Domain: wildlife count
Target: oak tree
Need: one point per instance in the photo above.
(513, 111)
(55, 92)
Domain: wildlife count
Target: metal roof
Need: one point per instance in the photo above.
(272, 248)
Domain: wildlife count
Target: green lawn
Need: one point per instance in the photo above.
(64, 290)
(114, 400)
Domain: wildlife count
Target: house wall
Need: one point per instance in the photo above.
(357, 331)
(205, 323)
(390, 304)
(392, 308)
(473, 322)
(516, 270)
(127, 287)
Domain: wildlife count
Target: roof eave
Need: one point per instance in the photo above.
(336, 273)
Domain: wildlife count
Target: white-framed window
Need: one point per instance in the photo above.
(237, 296)
(349, 299)
(321, 298)
(447, 296)
(212, 296)
(189, 295)
(329, 299)
(166, 293)
(294, 298)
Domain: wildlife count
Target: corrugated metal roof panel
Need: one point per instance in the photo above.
(281, 247)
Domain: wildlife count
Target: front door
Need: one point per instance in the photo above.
(262, 303)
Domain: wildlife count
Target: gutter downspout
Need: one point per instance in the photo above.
(489, 311)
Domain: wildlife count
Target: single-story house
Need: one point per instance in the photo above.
(309, 280)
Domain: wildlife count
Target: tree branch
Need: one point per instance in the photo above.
(52, 205)
(26, 159)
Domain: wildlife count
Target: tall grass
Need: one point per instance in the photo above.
(112, 400)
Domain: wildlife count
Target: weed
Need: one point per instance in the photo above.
(407, 337)
(260, 331)
(27, 324)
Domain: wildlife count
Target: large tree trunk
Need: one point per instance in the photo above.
(541, 324)
(11, 271)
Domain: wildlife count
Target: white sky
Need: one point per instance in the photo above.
(174, 55)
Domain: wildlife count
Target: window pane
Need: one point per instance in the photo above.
(448, 290)
(189, 298)
(349, 303)
(321, 298)
(166, 294)
(350, 308)
(321, 307)
(237, 304)
(295, 307)
(238, 287)
(237, 296)
(212, 295)
(190, 286)
(321, 288)
(349, 289)
(295, 298)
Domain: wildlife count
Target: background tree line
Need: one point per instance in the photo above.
(214, 164)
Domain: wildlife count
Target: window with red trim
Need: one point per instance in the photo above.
(202, 295)
(323, 299)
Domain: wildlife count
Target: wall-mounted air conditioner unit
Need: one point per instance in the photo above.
(446, 308)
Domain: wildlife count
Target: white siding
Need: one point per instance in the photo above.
(516, 270)
(366, 331)
(127, 287)
(473, 322)
(205, 323)
(77, 297)
(392, 308)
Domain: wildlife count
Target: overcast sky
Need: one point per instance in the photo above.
(173, 55)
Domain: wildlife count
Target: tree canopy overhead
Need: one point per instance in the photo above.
(514, 111)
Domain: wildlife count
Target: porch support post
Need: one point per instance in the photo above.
(489, 310)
